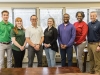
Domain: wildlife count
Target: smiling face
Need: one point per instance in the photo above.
(79, 17)
(50, 22)
(66, 18)
(18, 22)
(33, 20)
(93, 16)
(5, 16)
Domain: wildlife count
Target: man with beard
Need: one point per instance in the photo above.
(66, 37)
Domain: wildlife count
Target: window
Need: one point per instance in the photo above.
(46, 13)
(10, 13)
(72, 13)
(25, 14)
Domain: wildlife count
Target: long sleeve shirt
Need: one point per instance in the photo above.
(66, 34)
(94, 31)
(50, 37)
(81, 32)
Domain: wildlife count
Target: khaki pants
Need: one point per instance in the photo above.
(94, 57)
(5, 48)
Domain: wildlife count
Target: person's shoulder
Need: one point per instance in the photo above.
(54, 28)
(99, 22)
(89, 23)
(72, 25)
(10, 23)
(75, 23)
(27, 29)
(39, 27)
(60, 25)
(1, 22)
(84, 23)
(12, 30)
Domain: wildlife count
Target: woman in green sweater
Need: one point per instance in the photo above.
(19, 43)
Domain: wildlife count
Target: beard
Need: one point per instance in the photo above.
(66, 22)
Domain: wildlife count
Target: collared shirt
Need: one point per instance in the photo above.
(34, 33)
(81, 32)
(5, 30)
(94, 31)
(66, 34)
(20, 38)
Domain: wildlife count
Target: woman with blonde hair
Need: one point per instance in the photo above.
(19, 43)
(50, 42)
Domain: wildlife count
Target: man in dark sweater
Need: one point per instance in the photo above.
(94, 43)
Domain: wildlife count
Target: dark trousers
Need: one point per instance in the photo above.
(69, 52)
(18, 58)
(31, 55)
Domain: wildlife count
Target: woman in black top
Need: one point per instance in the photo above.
(50, 42)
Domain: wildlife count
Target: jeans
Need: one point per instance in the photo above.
(50, 55)
(31, 55)
(79, 52)
(5, 48)
(18, 58)
(69, 52)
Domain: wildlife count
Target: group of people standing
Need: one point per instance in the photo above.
(13, 39)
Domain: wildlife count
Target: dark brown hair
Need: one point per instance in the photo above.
(33, 15)
(4, 11)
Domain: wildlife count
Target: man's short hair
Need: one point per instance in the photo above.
(66, 14)
(4, 11)
(33, 15)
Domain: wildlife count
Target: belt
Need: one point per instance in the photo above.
(5, 43)
(93, 42)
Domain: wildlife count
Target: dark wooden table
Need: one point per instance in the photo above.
(39, 71)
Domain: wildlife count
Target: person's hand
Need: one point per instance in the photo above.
(65, 46)
(22, 48)
(37, 47)
(48, 45)
(45, 45)
(62, 46)
(98, 49)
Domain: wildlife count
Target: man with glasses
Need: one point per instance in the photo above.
(5, 39)
(34, 37)
(66, 36)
